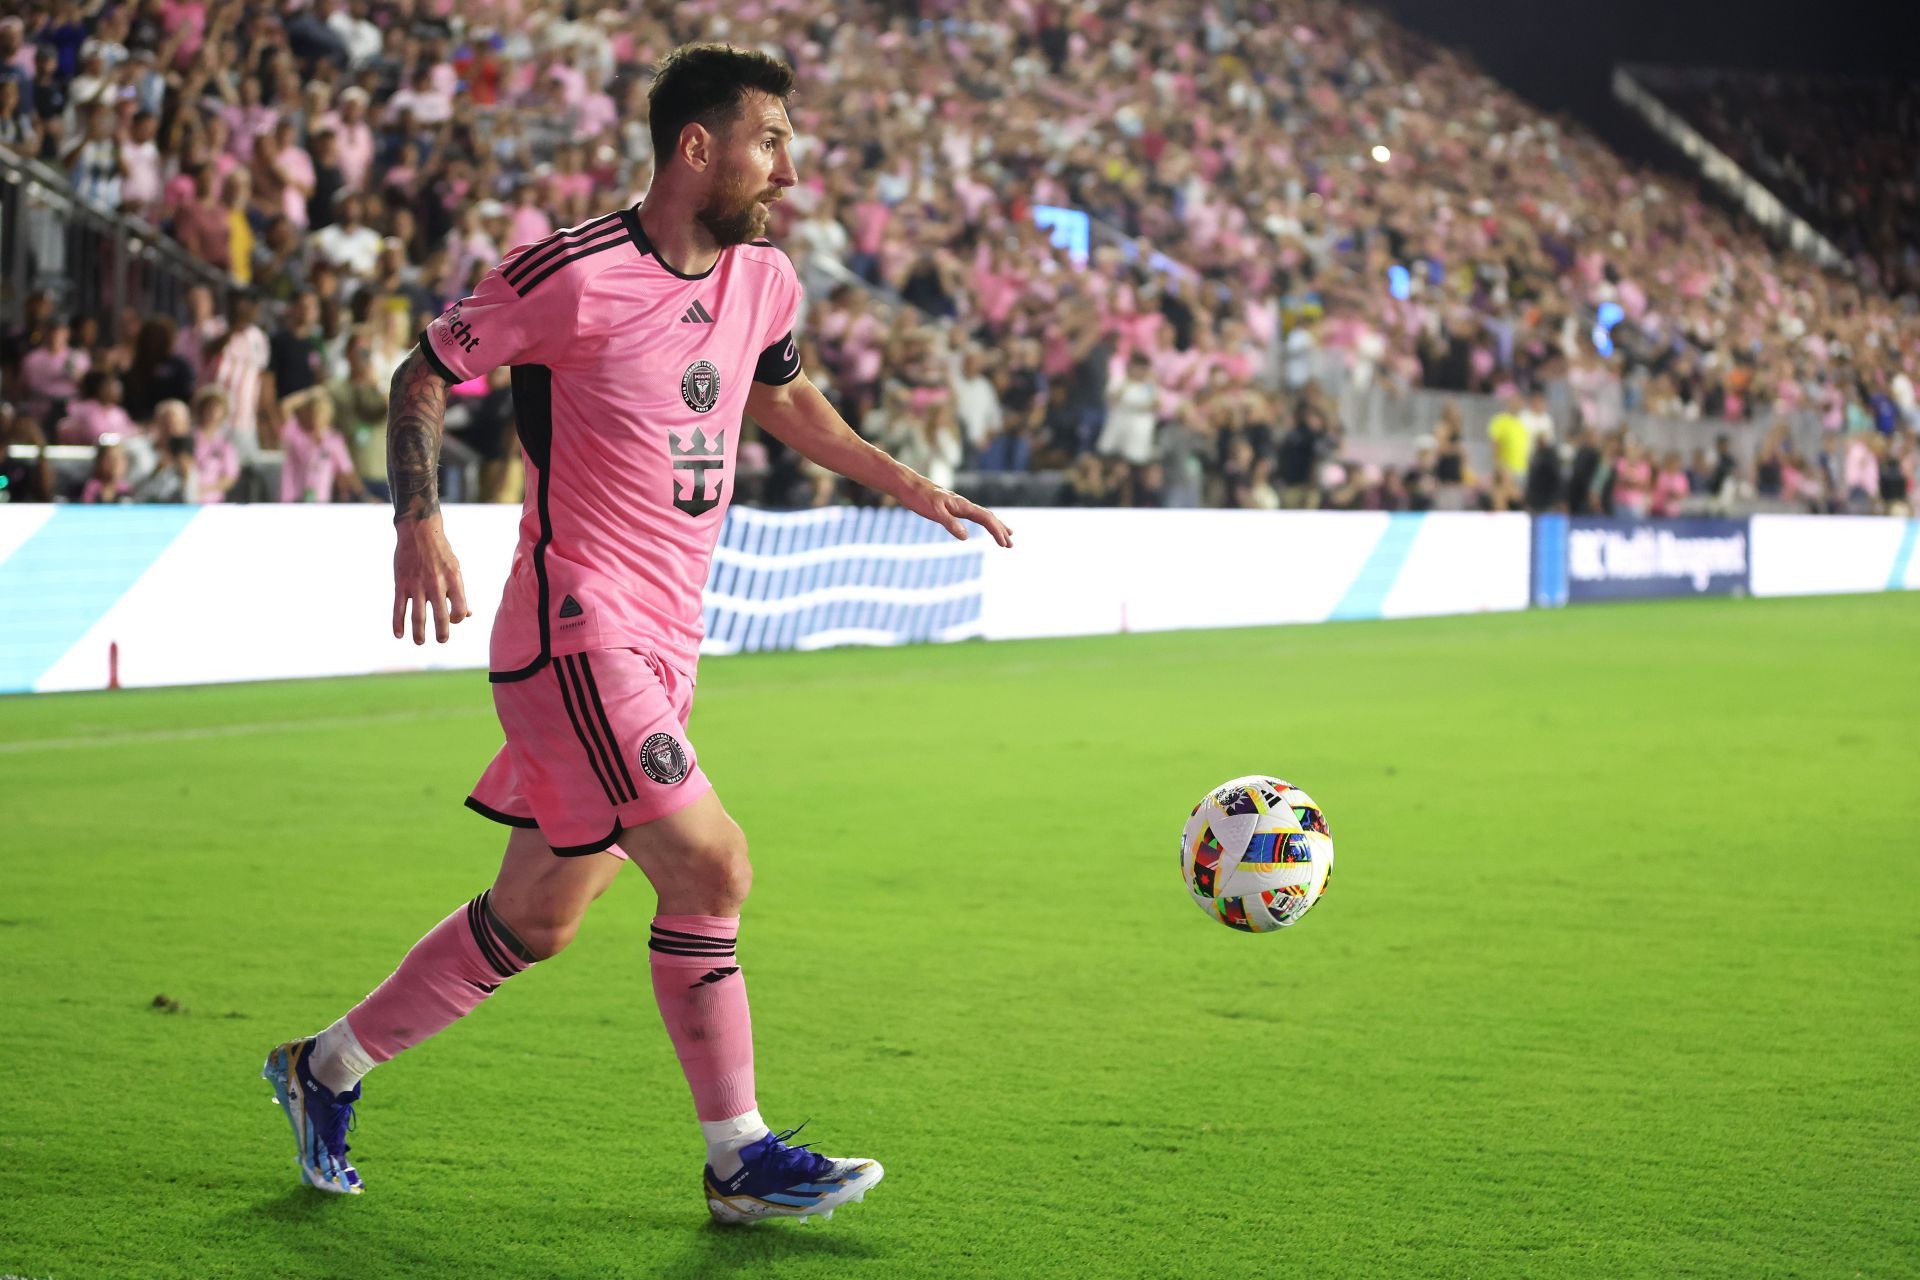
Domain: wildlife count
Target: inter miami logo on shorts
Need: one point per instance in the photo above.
(700, 386)
(663, 759)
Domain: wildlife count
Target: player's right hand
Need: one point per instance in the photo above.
(426, 575)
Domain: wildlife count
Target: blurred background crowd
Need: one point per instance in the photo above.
(1321, 264)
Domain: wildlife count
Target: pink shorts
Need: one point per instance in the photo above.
(596, 743)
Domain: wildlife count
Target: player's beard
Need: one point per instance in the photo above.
(733, 213)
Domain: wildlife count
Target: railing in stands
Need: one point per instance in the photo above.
(93, 262)
(1637, 88)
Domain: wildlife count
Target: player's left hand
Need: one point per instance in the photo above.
(950, 511)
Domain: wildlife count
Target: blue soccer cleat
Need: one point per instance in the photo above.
(780, 1181)
(320, 1118)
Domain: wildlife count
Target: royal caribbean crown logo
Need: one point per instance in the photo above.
(698, 455)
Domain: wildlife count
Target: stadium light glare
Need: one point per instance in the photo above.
(1381, 154)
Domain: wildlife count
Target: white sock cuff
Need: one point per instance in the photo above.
(339, 1059)
(731, 1135)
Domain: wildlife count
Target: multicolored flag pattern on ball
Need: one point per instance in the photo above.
(1256, 854)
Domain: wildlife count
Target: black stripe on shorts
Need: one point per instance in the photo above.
(561, 671)
(619, 756)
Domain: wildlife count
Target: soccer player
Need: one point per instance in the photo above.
(636, 341)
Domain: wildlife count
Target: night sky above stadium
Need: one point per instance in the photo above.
(1560, 53)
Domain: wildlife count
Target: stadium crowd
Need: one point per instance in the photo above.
(1865, 194)
(1291, 198)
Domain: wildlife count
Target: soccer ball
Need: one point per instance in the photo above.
(1256, 854)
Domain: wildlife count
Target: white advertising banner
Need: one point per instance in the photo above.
(182, 595)
(1095, 571)
(1814, 555)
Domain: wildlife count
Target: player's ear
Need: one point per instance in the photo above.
(696, 147)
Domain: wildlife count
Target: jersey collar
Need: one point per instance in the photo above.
(632, 218)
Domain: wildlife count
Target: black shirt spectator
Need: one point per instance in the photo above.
(1586, 466)
(156, 373)
(1299, 450)
(329, 180)
(1543, 477)
(1724, 466)
(1449, 462)
(295, 353)
(1893, 479)
(49, 88)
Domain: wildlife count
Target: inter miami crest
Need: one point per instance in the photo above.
(700, 386)
(663, 759)
(698, 455)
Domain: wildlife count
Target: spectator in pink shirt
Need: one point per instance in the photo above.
(216, 463)
(248, 119)
(529, 223)
(353, 137)
(1632, 481)
(52, 373)
(1860, 472)
(1670, 488)
(427, 104)
(143, 186)
(108, 483)
(571, 184)
(316, 466)
(294, 167)
(97, 413)
(202, 327)
(572, 82)
(594, 115)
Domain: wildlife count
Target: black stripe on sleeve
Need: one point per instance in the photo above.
(567, 260)
(434, 361)
(560, 242)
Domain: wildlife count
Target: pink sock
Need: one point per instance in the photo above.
(703, 1001)
(447, 974)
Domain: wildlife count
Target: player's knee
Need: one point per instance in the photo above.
(544, 931)
(549, 938)
(718, 872)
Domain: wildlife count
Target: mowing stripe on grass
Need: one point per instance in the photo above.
(244, 730)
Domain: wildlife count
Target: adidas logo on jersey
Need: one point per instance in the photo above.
(570, 608)
(696, 314)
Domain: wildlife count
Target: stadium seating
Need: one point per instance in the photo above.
(1258, 207)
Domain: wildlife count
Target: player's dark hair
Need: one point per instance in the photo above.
(706, 84)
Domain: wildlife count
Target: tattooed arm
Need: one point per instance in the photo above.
(425, 573)
(416, 418)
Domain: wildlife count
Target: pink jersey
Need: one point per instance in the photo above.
(629, 381)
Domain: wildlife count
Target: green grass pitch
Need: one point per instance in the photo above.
(1617, 977)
